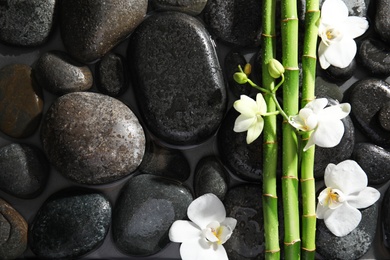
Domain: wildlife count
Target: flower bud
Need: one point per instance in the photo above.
(240, 77)
(275, 68)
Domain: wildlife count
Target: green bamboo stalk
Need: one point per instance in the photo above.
(309, 61)
(270, 147)
(290, 143)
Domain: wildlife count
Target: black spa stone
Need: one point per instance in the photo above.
(385, 217)
(26, 23)
(374, 56)
(146, 208)
(91, 28)
(177, 78)
(23, 170)
(70, 224)
(243, 204)
(59, 74)
(232, 60)
(210, 177)
(192, 7)
(352, 246)
(382, 19)
(112, 74)
(236, 22)
(336, 74)
(367, 97)
(326, 89)
(374, 160)
(92, 138)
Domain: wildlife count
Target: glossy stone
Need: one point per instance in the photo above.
(385, 217)
(21, 101)
(23, 170)
(232, 60)
(382, 19)
(336, 74)
(112, 74)
(235, 21)
(326, 89)
(367, 97)
(192, 7)
(244, 204)
(13, 232)
(90, 28)
(177, 78)
(92, 138)
(384, 116)
(145, 210)
(60, 74)
(210, 177)
(26, 23)
(70, 224)
(374, 56)
(352, 246)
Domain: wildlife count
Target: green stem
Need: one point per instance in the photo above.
(309, 61)
(270, 147)
(290, 141)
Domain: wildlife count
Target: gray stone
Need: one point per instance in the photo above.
(177, 78)
(385, 217)
(352, 246)
(26, 23)
(382, 19)
(60, 74)
(192, 7)
(325, 89)
(91, 28)
(384, 116)
(374, 56)
(111, 74)
(374, 160)
(336, 74)
(244, 203)
(235, 21)
(367, 97)
(210, 177)
(146, 208)
(13, 232)
(70, 224)
(23, 170)
(165, 162)
(92, 138)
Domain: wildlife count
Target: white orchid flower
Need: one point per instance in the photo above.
(346, 192)
(324, 122)
(251, 118)
(203, 238)
(337, 31)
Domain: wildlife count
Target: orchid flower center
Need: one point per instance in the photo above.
(330, 35)
(216, 233)
(331, 198)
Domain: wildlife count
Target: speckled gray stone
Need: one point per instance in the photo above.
(340, 75)
(192, 7)
(91, 28)
(26, 23)
(385, 217)
(384, 116)
(92, 138)
(325, 89)
(244, 204)
(367, 97)
(23, 170)
(60, 74)
(352, 246)
(177, 78)
(13, 230)
(210, 177)
(382, 19)
(374, 57)
(70, 224)
(146, 208)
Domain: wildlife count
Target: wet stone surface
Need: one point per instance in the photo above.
(180, 87)
(352, 246)
(336, 74)
(13, 232)
(145, 210)
(21, 101)
(382, 19)
(374, 56)
(70, 224)
(23, 170)
(91, 28)
(26, 23)
(232, 60)
(92, 138)
(60, 74)
(192, 7)
(326, 89)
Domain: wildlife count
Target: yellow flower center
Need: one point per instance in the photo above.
(217, 233)
(332, 197)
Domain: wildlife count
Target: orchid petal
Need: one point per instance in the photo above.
(342, 220)
(297, 122)
(230, 222)
(328, 134)
(321, 56)
(346, 176)
(206, 209)
(309, 143)
(321, 210)
(254, 131)
(261, 105)
(210, 236)
(364, 199)
(246, 106)
(341, 53)
(198, 249)
(333, 11)
(336, 112)
(355, 26)
(183, 230)
(243, 123)
(317, 105)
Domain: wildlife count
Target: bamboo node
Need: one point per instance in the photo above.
(270, 195)
(291, 68)
(308, 179)
(289, 19)
(309, 215)
(273, 251)
(270, 142)
(305, 139)
(309, 250)
(308, 99)
(290, 177)
(309, 56)
(292, 242)
(268, 35)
